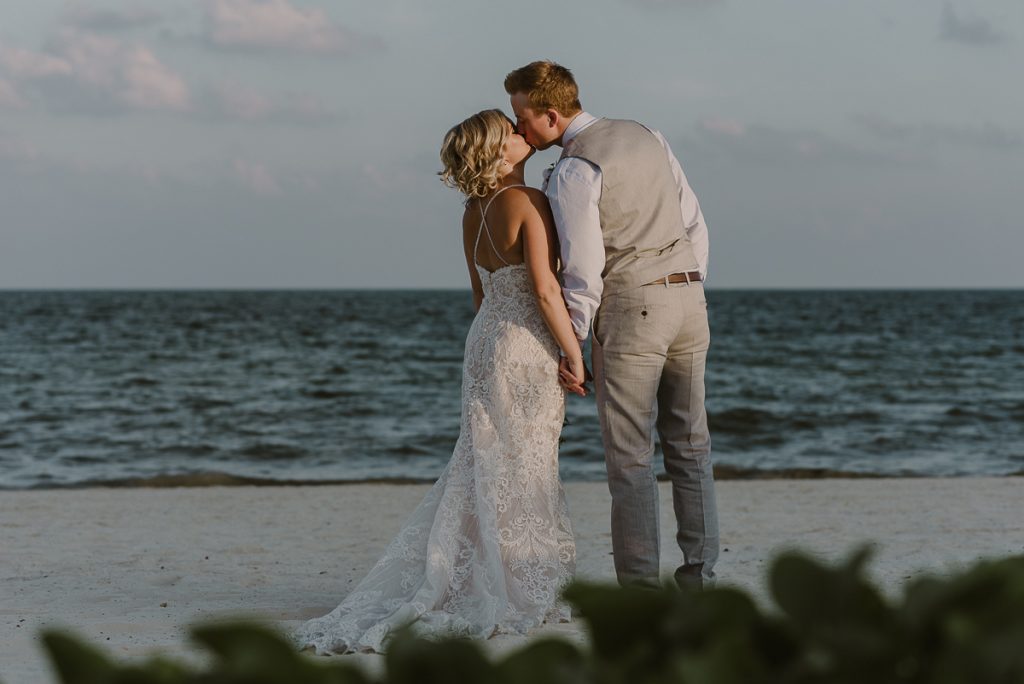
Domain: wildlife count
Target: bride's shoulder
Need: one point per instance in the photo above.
(534, 193)
(526, 196)
(536, 202)
(513, 201)
(471, 211)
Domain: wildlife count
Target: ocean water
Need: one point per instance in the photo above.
(189, 386)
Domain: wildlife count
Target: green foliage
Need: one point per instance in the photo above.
(640, 635)
(970, 628)
(243, 654)
(78, 663)
(847, 631)
(418, 661)
(830, 624)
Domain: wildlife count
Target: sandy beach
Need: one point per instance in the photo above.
(130, 569)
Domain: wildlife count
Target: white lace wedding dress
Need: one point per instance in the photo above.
(490, 547)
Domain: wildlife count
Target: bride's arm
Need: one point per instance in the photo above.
(468, 243)
(540, 251)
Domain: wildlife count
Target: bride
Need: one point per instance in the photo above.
(490, 547)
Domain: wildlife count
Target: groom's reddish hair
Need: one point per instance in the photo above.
(547, 86)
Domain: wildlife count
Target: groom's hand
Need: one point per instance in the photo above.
(568, 380)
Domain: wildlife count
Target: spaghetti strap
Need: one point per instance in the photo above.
(483, 226)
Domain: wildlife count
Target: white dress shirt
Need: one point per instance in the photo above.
(574, 189)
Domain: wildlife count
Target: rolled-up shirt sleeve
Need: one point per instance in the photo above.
(574, 189)
(693, 218)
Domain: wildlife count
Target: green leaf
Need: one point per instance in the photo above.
(971, 625)
(413, 660)
(846, 626)
(622, 620)
(548, 661)
(249, 653)
(77, 662)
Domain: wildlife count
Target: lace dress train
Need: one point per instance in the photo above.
(490, 547)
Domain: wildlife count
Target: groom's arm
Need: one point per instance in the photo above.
(573, 189)
(693, 218)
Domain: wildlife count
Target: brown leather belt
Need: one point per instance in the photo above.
(688, 277)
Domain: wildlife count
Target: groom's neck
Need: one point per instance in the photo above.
(564, 126)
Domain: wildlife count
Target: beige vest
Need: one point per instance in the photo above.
(644, 234)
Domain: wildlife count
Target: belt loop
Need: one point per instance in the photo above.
(667, 280)
(686, 274)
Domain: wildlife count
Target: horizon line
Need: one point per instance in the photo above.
(792, 288)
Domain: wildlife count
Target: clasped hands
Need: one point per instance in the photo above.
(573, 374)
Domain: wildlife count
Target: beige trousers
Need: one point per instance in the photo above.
(650, 348)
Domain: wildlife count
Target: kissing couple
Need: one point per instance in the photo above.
(614, 241)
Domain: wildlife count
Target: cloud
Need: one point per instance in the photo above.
(9, 97)
(255, 177)
(105, 19)
(670, 4)
(92, 73)
(233, 102)
(83, 72)
(25, 64)
(756, 143)
(967, 30)
(13, 149)
(723, 127)
(278, 26)
(987, 135)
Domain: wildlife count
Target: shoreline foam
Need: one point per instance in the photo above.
(222, 479)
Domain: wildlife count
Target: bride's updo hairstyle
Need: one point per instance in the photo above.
(471, 153)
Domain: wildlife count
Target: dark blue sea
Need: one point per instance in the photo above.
(191, 387)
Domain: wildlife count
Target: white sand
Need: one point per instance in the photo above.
(104, 561)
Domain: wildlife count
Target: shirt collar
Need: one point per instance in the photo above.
(579, 123)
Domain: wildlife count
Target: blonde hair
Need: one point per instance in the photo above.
(547, 86)
(471, 153)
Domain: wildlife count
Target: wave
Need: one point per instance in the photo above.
(971, 415)
(412, 450)
(268, 451)
(139, 381)
(730, 472)
(43, 418)
(752, 422)
(219, 479)
(327, 394)
(200, 403)
(741, 421)
(201, 449)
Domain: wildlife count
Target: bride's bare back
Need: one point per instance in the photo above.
(504, 227)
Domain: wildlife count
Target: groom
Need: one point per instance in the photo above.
(634, 248)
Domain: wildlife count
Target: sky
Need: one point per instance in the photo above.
(294, 144)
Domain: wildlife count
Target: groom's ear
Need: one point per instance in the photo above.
(552, 116)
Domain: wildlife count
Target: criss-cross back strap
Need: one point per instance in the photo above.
(484, 227)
